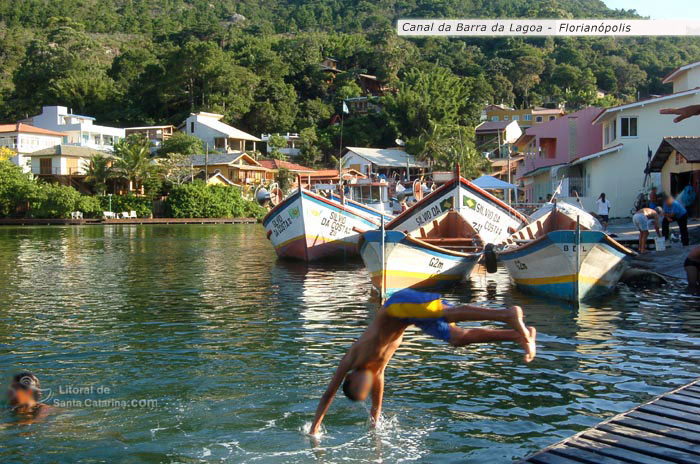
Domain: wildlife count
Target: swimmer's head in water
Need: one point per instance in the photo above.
(358, 384)
(24, 389)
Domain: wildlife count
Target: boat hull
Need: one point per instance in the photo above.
(309, 227)
(410, 263)
(548, 266)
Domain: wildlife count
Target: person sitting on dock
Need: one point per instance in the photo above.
(692, 269)
(641, 219)
(361, 370)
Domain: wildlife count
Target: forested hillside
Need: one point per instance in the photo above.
(135, 62)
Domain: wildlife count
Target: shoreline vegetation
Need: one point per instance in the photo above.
(21, 196)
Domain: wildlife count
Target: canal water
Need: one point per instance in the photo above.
(195, 344)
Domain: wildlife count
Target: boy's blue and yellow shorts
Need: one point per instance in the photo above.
(424, 310)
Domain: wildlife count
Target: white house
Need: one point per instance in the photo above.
(629, 132)
(292, 148)
(216, 134)
(380, 160)
(79, 130)
(24, 139)
(63, 160)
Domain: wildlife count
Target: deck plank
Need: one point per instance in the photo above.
(663, 430)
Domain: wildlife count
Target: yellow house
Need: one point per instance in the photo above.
(526, 117)
(678, 161)
(239, 168)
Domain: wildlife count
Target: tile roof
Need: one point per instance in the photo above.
(277, 164)
(22, 127)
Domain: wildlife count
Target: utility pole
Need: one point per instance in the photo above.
(206, 164)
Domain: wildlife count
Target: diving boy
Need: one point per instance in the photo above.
(361, 371)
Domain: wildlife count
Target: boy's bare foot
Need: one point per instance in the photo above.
(515, 320)
(528, 344)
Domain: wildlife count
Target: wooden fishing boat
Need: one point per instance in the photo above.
(559, 255)
(490, 217)
(309, 226)
(437, 255)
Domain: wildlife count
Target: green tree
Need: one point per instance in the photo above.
(181, 143)
(274, 144)
(15, 188)
(444, 146)
(133, 160)
(309, 152)
(98, 172)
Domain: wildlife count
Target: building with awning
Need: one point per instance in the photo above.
(677, 159)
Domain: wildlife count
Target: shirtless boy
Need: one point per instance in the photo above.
(361, 370)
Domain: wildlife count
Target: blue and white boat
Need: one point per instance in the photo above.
(558, 256)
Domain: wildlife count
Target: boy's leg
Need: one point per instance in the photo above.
(512, 316)
(462, 337)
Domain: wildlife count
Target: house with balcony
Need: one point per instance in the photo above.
(156, 135)
(66, 164)
(549, 151)
(218, 135)
(239, 168)
(292, 149)
(79, 130)
(24, 139)
(630, 132)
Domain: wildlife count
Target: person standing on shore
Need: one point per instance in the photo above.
(674, 211)
(604, 211)
(641, 219)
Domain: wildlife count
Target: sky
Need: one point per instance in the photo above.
(660, 9)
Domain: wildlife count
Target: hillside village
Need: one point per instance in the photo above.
(538, 149)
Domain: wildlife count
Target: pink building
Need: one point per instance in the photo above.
(550, 150)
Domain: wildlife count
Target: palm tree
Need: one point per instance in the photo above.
(133, 160)
(98, 172)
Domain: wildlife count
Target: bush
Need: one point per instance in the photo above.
(198, 200)
(53, 201)
(126, 203)
(90, 206)
(15, 188)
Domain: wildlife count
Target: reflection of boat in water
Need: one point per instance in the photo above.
(435, 256)
(309, 226)
(437, 242)
(562, 255)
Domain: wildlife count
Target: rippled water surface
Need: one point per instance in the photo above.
(195, 344)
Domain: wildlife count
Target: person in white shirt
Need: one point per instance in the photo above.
(603, 211)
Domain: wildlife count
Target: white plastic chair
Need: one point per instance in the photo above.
(132, 215)
(125, 215)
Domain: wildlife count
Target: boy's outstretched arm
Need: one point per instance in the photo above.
(327, 398)
(377, 396)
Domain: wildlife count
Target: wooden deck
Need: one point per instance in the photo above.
(85, 222)
(664, 430)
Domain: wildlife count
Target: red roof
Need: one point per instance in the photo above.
(278, 164)
(22, 127)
